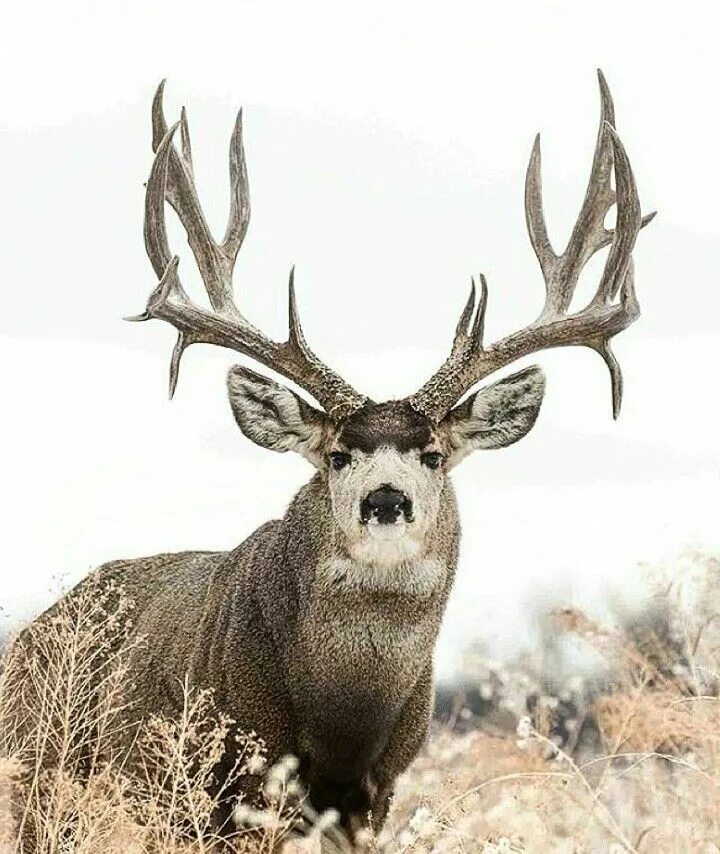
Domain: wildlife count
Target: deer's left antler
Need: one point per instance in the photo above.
(613, 307)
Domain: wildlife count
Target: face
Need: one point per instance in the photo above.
(386, 472)
(386, 464)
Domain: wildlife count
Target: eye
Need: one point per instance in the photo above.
(431, 459)
(339, 459)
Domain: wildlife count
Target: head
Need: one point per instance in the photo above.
(385, 465)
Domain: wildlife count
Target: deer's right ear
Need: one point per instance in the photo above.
(274, 416)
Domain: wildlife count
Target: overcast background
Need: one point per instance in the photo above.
(387, 145)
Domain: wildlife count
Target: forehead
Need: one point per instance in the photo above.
(393, 423)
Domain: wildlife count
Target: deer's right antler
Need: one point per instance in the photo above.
(171, 179)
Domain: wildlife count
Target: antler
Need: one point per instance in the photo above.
(171, 179)
(613, 307)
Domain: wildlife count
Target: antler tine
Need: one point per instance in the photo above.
(463, 324)
(601, 319)
(157, 116)
(155, 232)
(535, 214)
(239, 217)
(627, 226)
(471, 325)
(185, 147)
(478, 330)
(589, 230)
(215, 268)
(171, 179)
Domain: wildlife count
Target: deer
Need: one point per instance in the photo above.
(317, 632)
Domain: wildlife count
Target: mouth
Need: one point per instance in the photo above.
(385, 531)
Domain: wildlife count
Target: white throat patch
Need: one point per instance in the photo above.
(385, 545)
(415, 578)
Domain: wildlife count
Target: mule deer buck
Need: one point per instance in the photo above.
(318, 630)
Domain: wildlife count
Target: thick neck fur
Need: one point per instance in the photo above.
(353, 637)
(306, 566)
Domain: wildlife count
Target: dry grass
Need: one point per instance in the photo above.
(65, 785)
(653, 785)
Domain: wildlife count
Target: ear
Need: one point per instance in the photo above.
(275, 417)
(496, 416)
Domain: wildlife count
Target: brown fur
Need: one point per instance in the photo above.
(341, 678)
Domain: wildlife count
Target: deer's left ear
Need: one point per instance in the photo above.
(275, 417)
(496, 416)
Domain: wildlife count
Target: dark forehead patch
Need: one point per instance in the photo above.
(393, 423)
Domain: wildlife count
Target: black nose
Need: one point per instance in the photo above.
(386, 504)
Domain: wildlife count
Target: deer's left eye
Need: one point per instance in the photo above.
(431, 459)
(339, 460)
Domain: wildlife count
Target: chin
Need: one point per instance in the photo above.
(386, 545)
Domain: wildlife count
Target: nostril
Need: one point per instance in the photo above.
(386, 515)
(407, 508)
(385, 504)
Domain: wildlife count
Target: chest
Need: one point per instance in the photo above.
(368, 630)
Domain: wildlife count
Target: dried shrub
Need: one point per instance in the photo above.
(65, 783)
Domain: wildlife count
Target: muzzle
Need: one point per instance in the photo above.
(385, 505)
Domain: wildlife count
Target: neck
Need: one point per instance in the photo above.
(397, 565)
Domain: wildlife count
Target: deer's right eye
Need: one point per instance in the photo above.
(339, 459)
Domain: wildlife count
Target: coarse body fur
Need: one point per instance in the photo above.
(320, 657)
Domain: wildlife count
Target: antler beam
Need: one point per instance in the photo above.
(613, 307)
(171, 179)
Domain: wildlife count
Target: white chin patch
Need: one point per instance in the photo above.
(385, 545)
(386, 533)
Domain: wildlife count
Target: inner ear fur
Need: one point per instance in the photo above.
(495, 416)
(274, 417)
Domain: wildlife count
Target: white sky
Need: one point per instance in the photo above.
(387, 145)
